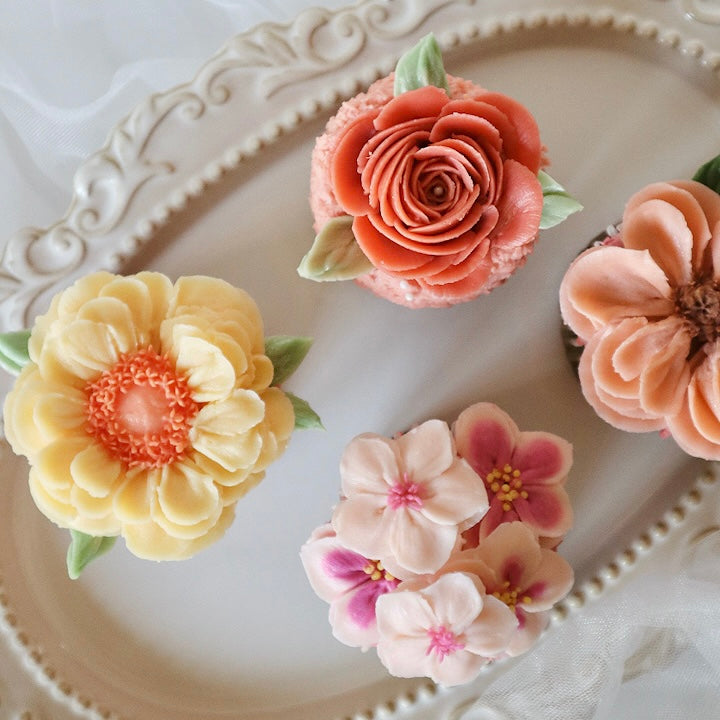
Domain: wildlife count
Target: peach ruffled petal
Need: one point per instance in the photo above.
(662, 230)
(607, 284)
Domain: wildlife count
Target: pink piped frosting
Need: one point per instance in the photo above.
(648, 313)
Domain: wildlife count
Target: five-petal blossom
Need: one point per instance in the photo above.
(524, 472)
(406, 500)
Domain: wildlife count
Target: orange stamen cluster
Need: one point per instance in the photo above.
(506, 484)
(141, 410)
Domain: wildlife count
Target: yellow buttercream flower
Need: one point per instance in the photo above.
(147, 410)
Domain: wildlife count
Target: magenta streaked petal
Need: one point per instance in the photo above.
(542, 458)
(485, 437)
(547, 510)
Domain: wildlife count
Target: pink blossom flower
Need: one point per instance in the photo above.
(350, 582)
(515, 569)
(524, 472)
(648, 313)
(446, 631)
(407, 500)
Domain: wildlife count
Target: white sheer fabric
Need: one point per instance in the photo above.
(646, 652)
(69, 70)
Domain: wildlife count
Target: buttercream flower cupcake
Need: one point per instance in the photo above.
(147, 409)
(429, 189)
(645, 307)
(441, 552)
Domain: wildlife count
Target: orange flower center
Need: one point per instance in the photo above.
(141, 410)
(505, 482)
(699, 304)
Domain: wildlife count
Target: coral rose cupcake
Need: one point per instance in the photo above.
(428, 189)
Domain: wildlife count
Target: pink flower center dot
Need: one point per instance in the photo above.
(511, 596)
(376, 571)
(141, 410)
(405, 493)
(505, 482)
(443, 642)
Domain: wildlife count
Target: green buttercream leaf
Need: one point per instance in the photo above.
(305, 417)
(286, 352)
(335, 254)
(709, 174)
(84, 549)
(14, 351)
(420, 66)
(558, 204)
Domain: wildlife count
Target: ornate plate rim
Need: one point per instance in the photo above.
(88, 220)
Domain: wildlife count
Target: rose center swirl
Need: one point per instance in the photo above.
(443, 642)
(699, 304)
(506, 484)
(511, 596)
(141, 410)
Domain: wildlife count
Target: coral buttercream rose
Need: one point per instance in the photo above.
(147, 410)
(442, 189)
(647, 310)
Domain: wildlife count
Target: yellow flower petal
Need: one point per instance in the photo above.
(214, 294)
(263, 373)
(231, 453)
(241, 411)
(231, 494)
(52, 465)
(134, 497)
(56, 414)
(187, 497)
(86, 349)
(115, 317)
(61, 513)
(24, 436)
(209, 373)
(151, 542)
(87, 506)
(146, 297)
(95, 471)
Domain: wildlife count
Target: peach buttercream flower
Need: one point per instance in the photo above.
(648, 313)
(443, 190)
(146, 410)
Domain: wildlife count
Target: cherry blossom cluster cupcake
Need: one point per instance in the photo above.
(644, 304)
(147, 409)
(428, 189)
(441, 553)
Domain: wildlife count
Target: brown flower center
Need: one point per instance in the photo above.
(699, 304)
(140, 410)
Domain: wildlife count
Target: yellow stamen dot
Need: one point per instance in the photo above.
(527, 600)
(495, 487)
(506, 488)
(516, 473)
(507, 468)
(507, 507)
(524, 495)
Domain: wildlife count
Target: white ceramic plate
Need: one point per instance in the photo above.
(212, 178)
